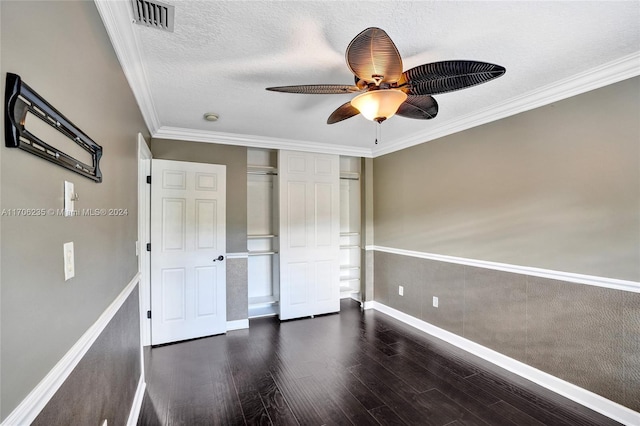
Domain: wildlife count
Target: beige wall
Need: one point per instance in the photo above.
(60, 48)
(557, 187)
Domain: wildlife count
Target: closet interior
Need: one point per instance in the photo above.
(262, 230)
(350, 237)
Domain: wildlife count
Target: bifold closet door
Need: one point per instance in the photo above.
(309, 186)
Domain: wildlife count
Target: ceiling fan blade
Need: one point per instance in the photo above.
(317, 89)
(343, 112)
(447, 76)
(418, 107)
(373, 57)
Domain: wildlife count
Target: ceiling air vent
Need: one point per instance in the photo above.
(153, 14)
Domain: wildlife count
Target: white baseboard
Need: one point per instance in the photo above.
(137, 402)
(26, 412)
(368, 305)
(237, 324)
(582, 396)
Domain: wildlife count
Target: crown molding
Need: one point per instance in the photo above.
(117, 19)
(595, 78)
(254, 141)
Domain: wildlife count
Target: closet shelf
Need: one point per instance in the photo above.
(344, 280)
(262, 253)
(262, 170)
(260, 167)
(350, 247)
(263, 311)
(349, 234)
(262, 300)
(256, 236)
(344, 268)
(262, 173)
(350, 175)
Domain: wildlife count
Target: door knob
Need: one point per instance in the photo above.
(221, 257)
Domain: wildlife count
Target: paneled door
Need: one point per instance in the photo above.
(188, 273)
(309, 187)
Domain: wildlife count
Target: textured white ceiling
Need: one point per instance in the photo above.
(223, 54)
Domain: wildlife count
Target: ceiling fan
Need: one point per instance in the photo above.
(384, 89)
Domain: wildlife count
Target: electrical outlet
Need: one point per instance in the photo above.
(401, 290)
(435, 301)
(69, 263)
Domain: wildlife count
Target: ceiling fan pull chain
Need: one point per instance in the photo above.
(378, 132)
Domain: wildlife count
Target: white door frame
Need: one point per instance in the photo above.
(144, 224)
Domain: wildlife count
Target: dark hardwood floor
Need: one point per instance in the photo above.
(360, 368)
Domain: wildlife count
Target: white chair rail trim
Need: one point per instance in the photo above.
(612, 283)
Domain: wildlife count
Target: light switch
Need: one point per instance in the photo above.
(69, 198)
(69, 263)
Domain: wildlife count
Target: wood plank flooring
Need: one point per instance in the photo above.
(355, 368)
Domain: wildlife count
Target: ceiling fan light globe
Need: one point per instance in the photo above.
(379, 104)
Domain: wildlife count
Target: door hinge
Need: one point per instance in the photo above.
(148, 179)
(149, 314)
(148, 246)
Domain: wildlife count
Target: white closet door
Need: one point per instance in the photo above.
(188, 274)
(309, 234)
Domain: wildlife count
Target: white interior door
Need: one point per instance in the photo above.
(309, 233)
(188, 288)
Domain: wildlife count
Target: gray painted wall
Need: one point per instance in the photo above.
(586, 335)
(235, 158)
(557, 187)
(112, 364)
(237, 289)
(60, 48)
